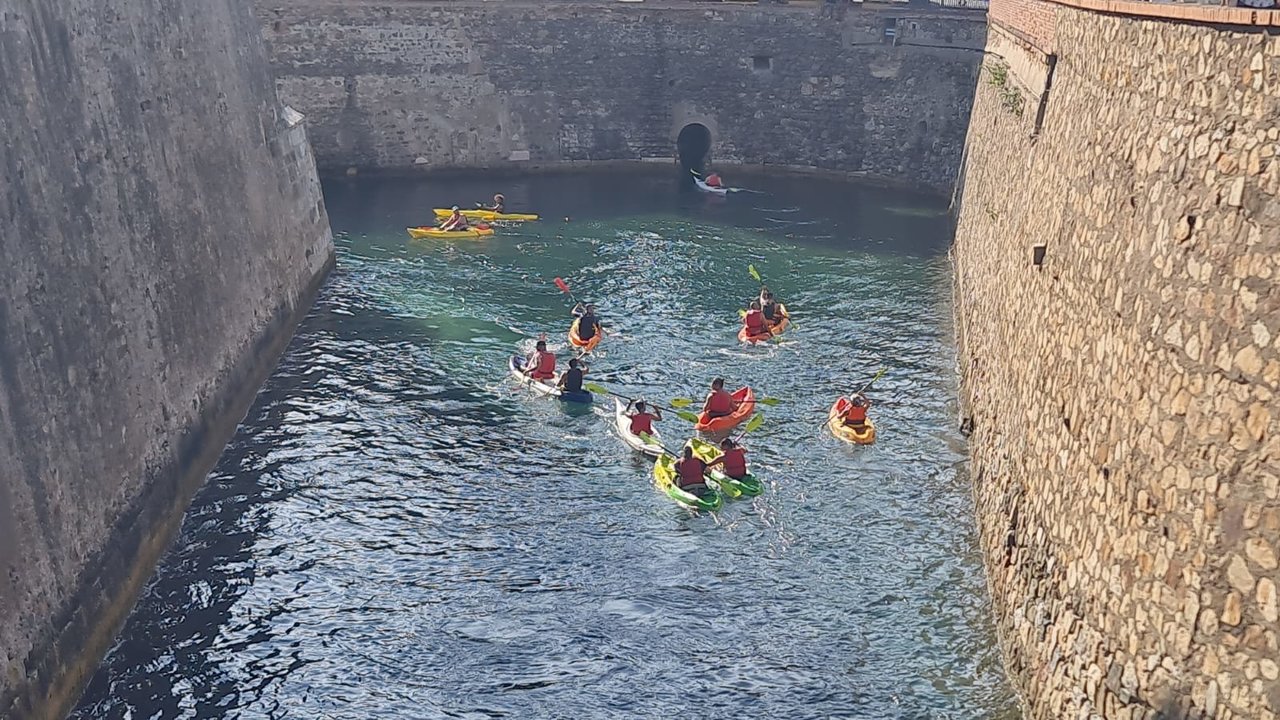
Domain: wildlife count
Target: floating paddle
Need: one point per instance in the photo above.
(602, 390)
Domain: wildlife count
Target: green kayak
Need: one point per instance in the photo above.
(749, 485)
(664, 474)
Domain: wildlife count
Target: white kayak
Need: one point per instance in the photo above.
(545, 387)
(707, 188)
(650, 445)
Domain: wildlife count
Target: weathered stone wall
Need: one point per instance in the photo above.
(398, 84)
(1126, 429)
(161, 228)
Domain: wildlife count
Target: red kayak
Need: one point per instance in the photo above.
(746, 404)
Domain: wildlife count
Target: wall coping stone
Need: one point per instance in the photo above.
(1260, 17)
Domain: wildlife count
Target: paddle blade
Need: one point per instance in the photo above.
(686, 415)
(754, 423)
(770, 401)
(564, 287)
(597, 389)
(681, 402)
(742, 313)
(752, 269)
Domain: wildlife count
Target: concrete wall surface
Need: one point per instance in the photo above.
(1123, 391)
(161, 229)
(881, 93)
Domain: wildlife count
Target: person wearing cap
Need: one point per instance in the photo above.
(499, 204)
(456, 220)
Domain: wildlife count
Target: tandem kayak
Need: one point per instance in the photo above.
(487, 215)
(748, 485)
(587, 346)
(649, 444)
(664, 476)
(747, 337)
(746, 399)
(776, 328)
(546, 387)
(780, 326)
(835, 420)
(434, 232)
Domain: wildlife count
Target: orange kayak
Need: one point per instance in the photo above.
(746, 399)
(864, 435)
(588, 345)
(746, 337)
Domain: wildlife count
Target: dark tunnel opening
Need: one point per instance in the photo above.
(693, 146)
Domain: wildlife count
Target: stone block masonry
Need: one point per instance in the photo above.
(162, 229)
(883, 94)
(1116, 261)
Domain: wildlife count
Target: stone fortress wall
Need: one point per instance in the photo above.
(397, 84)
(162, 231)
(1117, 257)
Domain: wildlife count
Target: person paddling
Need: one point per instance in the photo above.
(856, 415)
(719, 403)
(499, 204)
(733, 457)
(770, 306)
(541, 365)
(642, 419)
(588, 323)
(455, 221)
(571, 380)
(754, 320)
(690, 472)
(713, 180)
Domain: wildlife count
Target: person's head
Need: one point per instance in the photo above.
(726, 444)
(454, 209)
(688, 453)
(717, 384)
(542, 346)
(591, 309)
(640, 406)
(859, 399)
(765, 292)
(755, 304)
(766, 296)
(575, 363)
(498, 198)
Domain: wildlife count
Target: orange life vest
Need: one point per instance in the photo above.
(641, 423)
(546, 366)
(735, 462)
(755, 322)
(691, 472)
(856, 414)
(721, 402)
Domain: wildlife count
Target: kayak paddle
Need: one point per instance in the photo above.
(753, 424)
(602, 390)
(752, 269)
(564, 288)
(686, 402)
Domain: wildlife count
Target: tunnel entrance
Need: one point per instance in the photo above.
(693, 146)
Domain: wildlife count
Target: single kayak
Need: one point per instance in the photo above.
(487, 215)
(649, 444)
(746, 400)
(546, 387)
(586, 345)
(664, 476)
(708, 189)
(434, 232)
(835, 420)
(748, 485)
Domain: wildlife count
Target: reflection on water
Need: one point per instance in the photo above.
(399, 531)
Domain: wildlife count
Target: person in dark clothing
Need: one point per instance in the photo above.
(571, 380)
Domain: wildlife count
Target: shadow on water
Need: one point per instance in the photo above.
(397, 530)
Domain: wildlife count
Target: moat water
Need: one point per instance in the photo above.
(397, 530)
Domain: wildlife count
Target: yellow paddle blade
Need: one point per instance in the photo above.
(681, 402)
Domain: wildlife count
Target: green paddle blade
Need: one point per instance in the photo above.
(770, 401)
(742, 313)
(752, 269)
(681, 402)
(597, 389)
(686, 415)
(754, 423)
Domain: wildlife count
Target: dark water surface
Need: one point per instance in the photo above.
(398, 531)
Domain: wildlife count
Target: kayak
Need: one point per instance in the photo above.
(434, 232)
(780, 326)
(748, 485)
(576, 341)
(487, 215)
(846, 432)
(546, 387)
(664, 476)
(746, 400)
(776, 328)
(650, 445)
(747, 337)
(707, 188)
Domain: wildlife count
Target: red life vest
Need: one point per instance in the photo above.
(721, 402)
(546, 366)
(691, 471)
(713, 180)
(856, 414)
(641, 423)
(735, 462)
(755, 322)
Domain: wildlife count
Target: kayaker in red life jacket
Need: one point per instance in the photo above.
(690, 471)
(713, 180)
(571, 380)
(733, 457)
(754, 320)
(455, 221)
(642, 420)
(719, 403)
(541, 365)
(856, 415)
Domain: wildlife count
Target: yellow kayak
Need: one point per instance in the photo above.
(487, 215)
(864, 435)
(431, 232)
